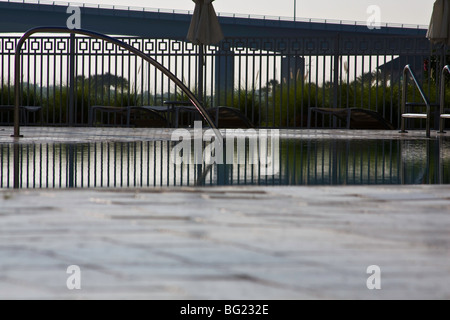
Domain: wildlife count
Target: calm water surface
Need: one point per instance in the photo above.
(295, 162)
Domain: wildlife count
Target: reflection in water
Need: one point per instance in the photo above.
(300, 162)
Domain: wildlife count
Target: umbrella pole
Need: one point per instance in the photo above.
(200, 73)
(200, 98)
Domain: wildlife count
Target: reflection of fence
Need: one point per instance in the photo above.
(275, 82)
(301, 162)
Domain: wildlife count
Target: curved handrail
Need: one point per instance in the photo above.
(119, 43)
(407, 70)
(442, 98)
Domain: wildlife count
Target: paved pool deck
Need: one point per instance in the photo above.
(226, 243)
(223, 242)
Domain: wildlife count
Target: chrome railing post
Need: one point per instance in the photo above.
(407, 70)
(404, 92)
(442, 98)
(428, 121)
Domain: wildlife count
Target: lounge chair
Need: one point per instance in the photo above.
(356, 118)
(25, 112)
(230, 118)
(130, 116)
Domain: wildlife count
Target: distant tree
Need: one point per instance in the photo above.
(103, 83)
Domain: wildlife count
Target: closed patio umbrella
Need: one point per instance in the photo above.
(439, 29)
(204, 30)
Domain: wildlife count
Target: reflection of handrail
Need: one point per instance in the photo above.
(442, 100)
(407, 70)
(119, 43)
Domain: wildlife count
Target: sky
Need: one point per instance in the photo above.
(392, 11)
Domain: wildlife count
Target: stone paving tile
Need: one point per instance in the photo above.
(226, 243)
(241, 287)
(13, 289)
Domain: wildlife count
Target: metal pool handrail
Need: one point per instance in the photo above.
(442, 98)
(106, 38)
(407, 70)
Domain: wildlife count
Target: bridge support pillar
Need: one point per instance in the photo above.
(292, 69)
(224, 76)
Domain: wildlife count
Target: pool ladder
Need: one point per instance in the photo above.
(407, 71)
(443, 115)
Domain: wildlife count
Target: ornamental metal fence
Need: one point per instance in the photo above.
(275, 83)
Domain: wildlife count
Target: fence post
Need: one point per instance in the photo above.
(70, 165)
(336, 77)
(71, 106)
(16, 165)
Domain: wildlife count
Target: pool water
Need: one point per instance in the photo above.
(293, 162)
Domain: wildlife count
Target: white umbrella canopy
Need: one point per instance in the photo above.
(439, 29)
(204, 30)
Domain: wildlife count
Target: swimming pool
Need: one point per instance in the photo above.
(295, 160)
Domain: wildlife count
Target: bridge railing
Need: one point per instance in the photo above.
(274, 82)
(220, 14)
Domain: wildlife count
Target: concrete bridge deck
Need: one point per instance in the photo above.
(131, 21)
